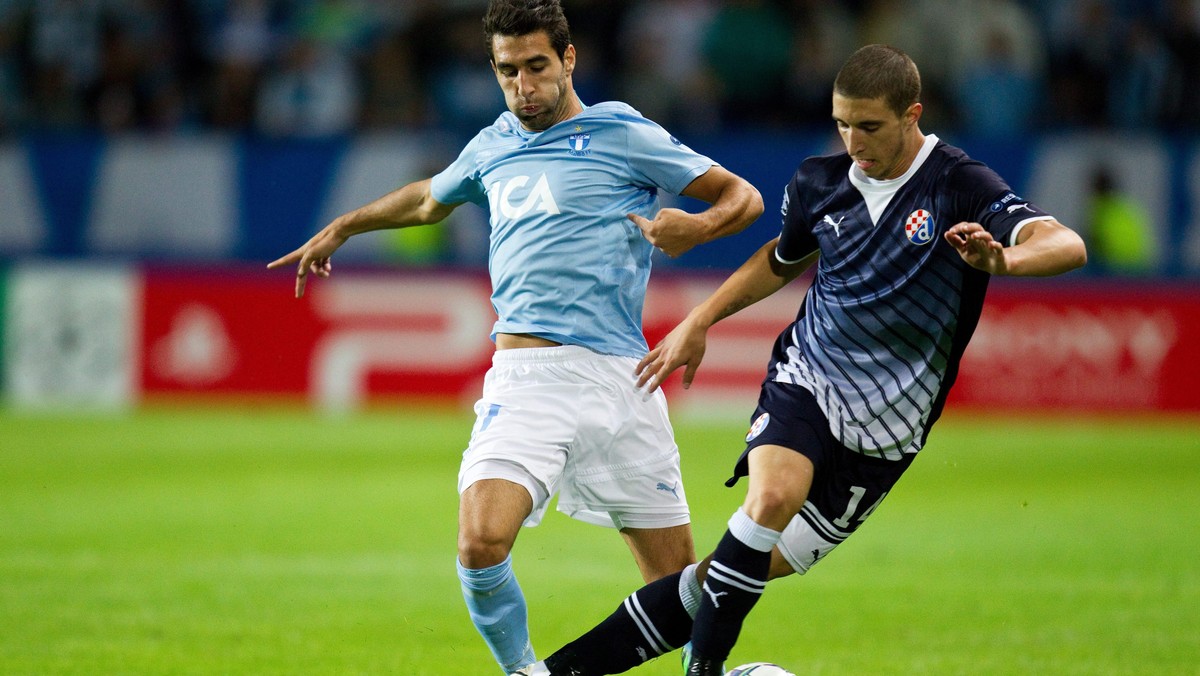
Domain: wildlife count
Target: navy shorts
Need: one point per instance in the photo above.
(847, 485)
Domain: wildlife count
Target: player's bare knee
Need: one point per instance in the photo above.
(483, 543)
(772, 506)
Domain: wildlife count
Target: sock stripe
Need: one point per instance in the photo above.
(644, 625)
(733, 578)
(734, 583)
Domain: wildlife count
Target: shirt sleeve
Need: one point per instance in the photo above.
(981, 196)
(796, 240)
(460, 182)
(657, 159)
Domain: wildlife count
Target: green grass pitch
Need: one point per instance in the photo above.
(268, 540)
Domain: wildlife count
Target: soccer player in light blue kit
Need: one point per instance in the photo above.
(905, 231)
(572, 197)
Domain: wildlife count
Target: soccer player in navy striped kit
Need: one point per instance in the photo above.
(905, 232)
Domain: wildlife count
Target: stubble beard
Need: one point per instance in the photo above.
(549, 116)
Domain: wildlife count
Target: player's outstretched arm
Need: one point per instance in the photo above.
(683, 346)
(411, 205)
(1043, 248)
(734, 204)
(760, 276)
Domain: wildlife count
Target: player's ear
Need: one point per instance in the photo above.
(569, 59)
(913, 115)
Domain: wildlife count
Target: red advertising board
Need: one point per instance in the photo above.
(1099, 347)
(360, 335)
(242, 333)
(229, 333)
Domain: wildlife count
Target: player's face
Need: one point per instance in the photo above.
(536, 83)
(882, 144)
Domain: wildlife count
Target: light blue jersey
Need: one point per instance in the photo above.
(565, 261)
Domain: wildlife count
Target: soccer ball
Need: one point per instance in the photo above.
(759, 669)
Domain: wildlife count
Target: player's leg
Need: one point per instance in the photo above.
(785, 447)
(652, 621)
(509, 472)
(631, 471)
(844, 488)
(659, 552)
(625, 471)
(490, 516)
(843, 494)
(623, 468)
(739, 568)
(691, 590)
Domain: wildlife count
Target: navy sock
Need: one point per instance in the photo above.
(650, 622)
(736, 577)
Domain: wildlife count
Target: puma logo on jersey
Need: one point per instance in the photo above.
(539, 197)
(1023, 205)
(837, 225)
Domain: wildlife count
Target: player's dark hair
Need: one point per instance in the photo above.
(880, 71)
(522, 17)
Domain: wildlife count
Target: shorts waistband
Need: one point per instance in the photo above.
(546, 355)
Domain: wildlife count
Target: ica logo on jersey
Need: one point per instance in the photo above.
(505, 197)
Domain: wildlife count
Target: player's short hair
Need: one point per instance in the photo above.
(522, 17)
(880, 71)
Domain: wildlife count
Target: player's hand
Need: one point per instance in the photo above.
(977, 247)
(314, 257)
(683, 346)
(673, 231)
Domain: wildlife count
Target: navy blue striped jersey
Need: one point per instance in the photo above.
(881, 330)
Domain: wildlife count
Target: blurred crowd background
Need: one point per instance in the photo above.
(328, 67)
(231, 129)
(156, 154)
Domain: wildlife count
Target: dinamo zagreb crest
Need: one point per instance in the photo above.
(918, 227)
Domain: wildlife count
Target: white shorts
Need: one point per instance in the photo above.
(569, 421)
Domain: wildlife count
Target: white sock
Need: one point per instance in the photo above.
(689, 590)
(751, 534)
